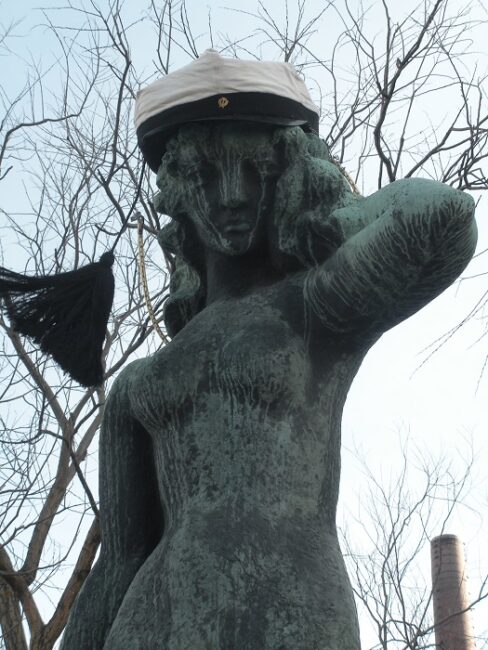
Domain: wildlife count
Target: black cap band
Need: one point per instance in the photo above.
(154, 132)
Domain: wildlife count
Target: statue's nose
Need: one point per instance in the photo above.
(233, 194)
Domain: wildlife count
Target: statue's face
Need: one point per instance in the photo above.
(228, 180)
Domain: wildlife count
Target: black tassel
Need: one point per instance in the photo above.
(65, 314)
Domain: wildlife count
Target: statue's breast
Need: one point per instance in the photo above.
(243, 350)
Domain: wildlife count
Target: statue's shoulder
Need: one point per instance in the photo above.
(128, 379)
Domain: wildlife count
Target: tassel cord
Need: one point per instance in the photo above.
(143, 274)
(125, 223)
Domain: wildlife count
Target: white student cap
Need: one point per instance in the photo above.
(213, 87)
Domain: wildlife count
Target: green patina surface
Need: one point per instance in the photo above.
(220, 454)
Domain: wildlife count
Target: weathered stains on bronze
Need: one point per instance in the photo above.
(220, 454)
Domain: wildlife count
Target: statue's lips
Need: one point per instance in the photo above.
(237, 228)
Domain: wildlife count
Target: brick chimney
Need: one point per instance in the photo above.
(452, 619)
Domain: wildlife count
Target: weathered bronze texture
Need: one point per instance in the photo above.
(220, 454)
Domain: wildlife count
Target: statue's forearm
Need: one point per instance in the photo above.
(420, 237)
(97, 605)
(131, 521)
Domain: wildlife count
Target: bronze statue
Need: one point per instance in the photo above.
(220, 454)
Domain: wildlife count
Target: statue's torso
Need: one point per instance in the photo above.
(246, 431)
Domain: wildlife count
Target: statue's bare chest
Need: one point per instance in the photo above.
(245, 350)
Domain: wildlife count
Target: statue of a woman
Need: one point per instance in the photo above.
(220, 454)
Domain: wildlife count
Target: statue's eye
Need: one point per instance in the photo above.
(199, 176)
(269, 168)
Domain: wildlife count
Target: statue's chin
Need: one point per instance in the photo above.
(233, 244)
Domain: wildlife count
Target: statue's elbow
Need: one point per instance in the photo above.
(472, 236)
(448, 214)
(459, 215)
(461, 205)
(458, 231)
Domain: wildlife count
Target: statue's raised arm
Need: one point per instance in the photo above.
(419, 237)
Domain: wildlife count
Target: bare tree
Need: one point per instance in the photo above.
(73, 149)
(84, 177)
(387, 542)
(376, 85)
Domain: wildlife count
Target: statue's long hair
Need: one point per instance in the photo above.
(302, 232)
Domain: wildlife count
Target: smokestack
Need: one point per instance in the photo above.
(452, 619)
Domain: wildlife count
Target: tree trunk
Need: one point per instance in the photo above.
(11, 619)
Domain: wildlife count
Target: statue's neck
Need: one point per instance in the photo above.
(232, 276)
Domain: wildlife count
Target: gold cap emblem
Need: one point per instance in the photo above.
(222, 102)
